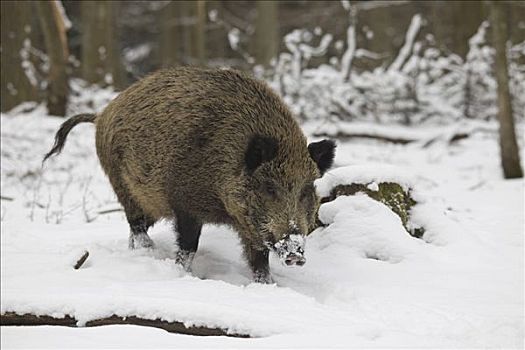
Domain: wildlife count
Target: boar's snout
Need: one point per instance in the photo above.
(291, 250)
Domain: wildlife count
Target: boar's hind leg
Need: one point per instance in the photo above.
(258, 261)
(189, 230)
(138, 221)
(138, 237)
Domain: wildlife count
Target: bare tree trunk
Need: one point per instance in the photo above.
(510, 158)
(16, 29)
(191, 31)
(216, 34)
(94, 51)
(101, 63)
(170, 50)
(266, 43)
(115, 65)
(198, 49)
(55, 39)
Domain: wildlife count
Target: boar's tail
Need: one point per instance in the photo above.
(65, 128)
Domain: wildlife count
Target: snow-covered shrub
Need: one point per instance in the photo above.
(480, 83)
(422, 84)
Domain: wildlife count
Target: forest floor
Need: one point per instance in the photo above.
(366, 283)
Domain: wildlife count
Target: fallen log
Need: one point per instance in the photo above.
(345, 136)
(383, 134)
(393, 186)
(389, 193)
(13, 319)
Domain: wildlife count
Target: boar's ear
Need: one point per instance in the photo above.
(322, 153)
(261, 149)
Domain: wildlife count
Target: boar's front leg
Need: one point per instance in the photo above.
(258, 261)
(189, 231)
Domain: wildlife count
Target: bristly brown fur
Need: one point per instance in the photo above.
(176, 141)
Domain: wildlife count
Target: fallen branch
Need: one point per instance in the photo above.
(344, 136)
(399, 139)
(109, 211)
(82, 260)
(5, 198)
(13, 319)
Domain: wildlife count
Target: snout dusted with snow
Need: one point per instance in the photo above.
(290, 250)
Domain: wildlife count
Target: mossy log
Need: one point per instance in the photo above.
(391, 194)
(13, 319)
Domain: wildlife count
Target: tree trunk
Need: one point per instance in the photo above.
(198, 33)
(101, 63)
(216, 34)
(55, 39)
(266, 43)
(191, 31)
(16, 86)
(170, 50)
(510, 158)
(115, 66)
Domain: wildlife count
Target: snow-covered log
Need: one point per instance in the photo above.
(386, 184)
(401, 134)
(13, 319)
(390, 194)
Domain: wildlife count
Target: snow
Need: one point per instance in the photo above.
(373, 186)
(28, 66)
(234, 38)
(137, 53)
(366, 282)
(65, 19)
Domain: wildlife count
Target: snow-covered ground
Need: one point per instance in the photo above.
(366, 282)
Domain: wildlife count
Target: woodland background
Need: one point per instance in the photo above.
(403, 62)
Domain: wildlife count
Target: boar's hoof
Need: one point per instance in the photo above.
(263, 277)
(140, 240)
(184, 258)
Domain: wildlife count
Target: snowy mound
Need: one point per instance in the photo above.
(364, 174)
(366, 283)
(38, 265)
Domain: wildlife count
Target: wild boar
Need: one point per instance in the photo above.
(210, 146)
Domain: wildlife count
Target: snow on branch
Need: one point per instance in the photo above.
(406, 50)
(348, 56)
(422, 84)
(65, 18)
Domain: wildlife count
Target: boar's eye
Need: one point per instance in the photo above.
(306, 192)
(270, 189)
